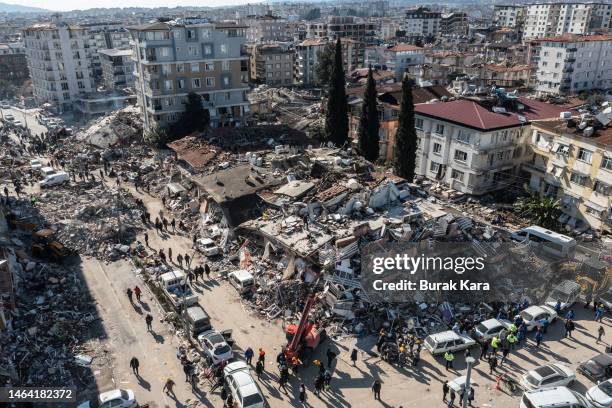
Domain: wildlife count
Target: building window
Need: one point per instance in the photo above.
(168, 84)
(434, 167)
(457, 175)
(437, 148)
(192, 50)
(210, 82)
(226, 81)
(209, 66)
(164, 51)
(180, 68)
(585, 155)
(439, 129)
(463, 137)
(418, 123)
(180, 84)
(606, 163)
(562, 150)
(460, 155)
(602, 188)
(223, 48)
(191, 34)
(225, 65)
(195, 67)
(579, 179)
(208, 49)
(196, 82)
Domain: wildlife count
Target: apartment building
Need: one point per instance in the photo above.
(388, 28)
(267, 28)
(454, 24)
(13, 64)
(344, 27)
(307, 56)
(117, 68)
(57, 59)
(553, 19)
(272, 64)
(103, 36)
(421, 22)
(401, 56)
(572, 161)
(474, 146)
(177, 57)
(511, 16)
(570, 64)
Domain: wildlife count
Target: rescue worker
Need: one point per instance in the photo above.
(449, 357)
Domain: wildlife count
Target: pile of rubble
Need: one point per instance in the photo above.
(93, 219)
(121, 126)
(51, 341)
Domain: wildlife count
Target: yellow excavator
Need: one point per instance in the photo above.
(45, 245)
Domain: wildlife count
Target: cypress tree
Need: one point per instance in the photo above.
(368, 122)
(406, 137)
(336, 119)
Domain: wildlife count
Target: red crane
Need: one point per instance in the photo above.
(304, 334)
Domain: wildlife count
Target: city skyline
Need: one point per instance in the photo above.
(68, 5)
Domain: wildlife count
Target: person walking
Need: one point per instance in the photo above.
(302, 395)
(169, 387)
(283, 378)
(354, 356)
(538, 337)
(416, 356)
(318, 385)
(248, 355)
(512, 340)
(137, 292)
(259, 368)
(170, 254)
(599, 312)
(262, 356)
(600, 333)
(330, 357)
(492, 364)
(495, 345)
(207, 271)
(569, 327)
(129, 294)
(445, 389)
(505, 352)
(134, 364)
(179, 259)
(448, 358)
(165, 223)
(146, 237)
(484, 350)
(376, 386)
(451, 399)
(187, 261)
(149, 321)
(173, 224)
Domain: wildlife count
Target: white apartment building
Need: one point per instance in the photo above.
(570, 64)
(267, 28)
(307, 57)
(511, 16)
(550, 19)
(103, 36)
(58, 61)
(573, 163)
(421, 22)
(471, 148)
(191, 55)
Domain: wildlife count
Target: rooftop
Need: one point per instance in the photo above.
(403, 47)
(114, 52)
(573, 38)
(601, 136)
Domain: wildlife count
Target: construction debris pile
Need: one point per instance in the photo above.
(299, 109)
(121, 126)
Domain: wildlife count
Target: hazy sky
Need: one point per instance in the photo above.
(81, 4)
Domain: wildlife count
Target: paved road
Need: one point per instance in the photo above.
(27, 117)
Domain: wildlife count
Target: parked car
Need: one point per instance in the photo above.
(242, 386)
(598, 368)
(488, 329)
(208, 247)
(534, 315)
(18, 123)
(35, 164)
(215, 347)
(54, 179)
(9, 117)
(600, 396)
(242, 280)
(549, 375)
(5, 105)
(442, 342)
(112, 399)
(606, 299)
(555, 397)
(566, 293)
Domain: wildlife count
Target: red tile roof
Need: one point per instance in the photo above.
(471, 114)
(402, 47)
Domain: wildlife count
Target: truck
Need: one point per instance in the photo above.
(45, 245)
(176, 289)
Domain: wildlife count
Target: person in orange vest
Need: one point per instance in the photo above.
(295, 362)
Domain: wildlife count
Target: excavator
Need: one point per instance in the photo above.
(304, 336)
(45, 245)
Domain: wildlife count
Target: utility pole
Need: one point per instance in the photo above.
(466, 389)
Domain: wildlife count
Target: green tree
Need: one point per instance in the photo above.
(325, 63)
(544, 211)
(336, 117)
(368, 122)
(193, 119)
(406, 137)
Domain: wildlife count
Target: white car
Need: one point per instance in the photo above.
(207, 247)
(35, 164)
(488, 329)
(442, 342)
(215, 347)
(534, 315)
(549, 375)
(600, 396)
(242, 386)
(555, 397)
(9, 117)
(113, 399)
(18, 123)
(5, 105)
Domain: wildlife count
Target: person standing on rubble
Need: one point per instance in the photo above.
(129, 294)
(134, 364)
(149, 321)
(190, 276)
(6, 193)
(137, 292)
(157, 224)
(484, 350)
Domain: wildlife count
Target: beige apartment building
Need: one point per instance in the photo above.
(191, 55)
(271, 64)
(572, 161)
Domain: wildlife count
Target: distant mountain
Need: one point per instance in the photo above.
(16, 8)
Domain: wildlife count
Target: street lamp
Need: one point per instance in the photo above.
(469, 360)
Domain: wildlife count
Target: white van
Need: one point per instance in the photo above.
(566, 292)
(47, 171)
(54, 179)
(556, 397)
(242, 386)
(442, 342)
(552, 242)
(242, 280)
